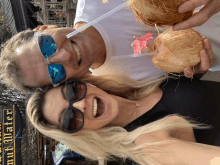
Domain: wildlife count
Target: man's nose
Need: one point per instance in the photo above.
(81, 105)
(62, 56)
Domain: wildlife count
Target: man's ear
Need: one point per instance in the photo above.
(45, 27)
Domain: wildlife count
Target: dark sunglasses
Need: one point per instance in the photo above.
(48, 48)
(72, 119)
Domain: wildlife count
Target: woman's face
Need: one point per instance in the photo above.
(107, 107)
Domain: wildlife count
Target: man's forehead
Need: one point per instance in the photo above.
(26, 45)
(33, 74)
(32, 66)
(29, 54)
(29, 60)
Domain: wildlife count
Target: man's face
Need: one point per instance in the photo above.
(76, 54)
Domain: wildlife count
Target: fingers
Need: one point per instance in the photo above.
(202, 67)
(207, 58)
(188, 72)
(191, 5)
(197, 19)
(210, 7)
(44, 27)
(40, 28)
(209, 51)
(204, 64)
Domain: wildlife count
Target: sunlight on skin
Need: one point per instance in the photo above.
(215, 161)
(18, 50)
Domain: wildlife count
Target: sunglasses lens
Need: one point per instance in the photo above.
(57, 73)
(72, 120)
(47, 45)
(76, 91)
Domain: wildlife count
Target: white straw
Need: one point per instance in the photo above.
(96, 20)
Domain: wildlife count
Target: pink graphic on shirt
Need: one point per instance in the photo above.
(141, 43)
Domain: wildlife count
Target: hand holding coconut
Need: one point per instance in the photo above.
(178, 51)
(210, 8)
(170, 12)
(206, 60)
(182, 51)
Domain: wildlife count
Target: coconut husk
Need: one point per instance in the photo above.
(159, 12)
(177, 50)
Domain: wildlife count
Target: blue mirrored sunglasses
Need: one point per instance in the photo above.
(48, 48)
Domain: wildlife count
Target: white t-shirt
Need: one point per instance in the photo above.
(118, 31)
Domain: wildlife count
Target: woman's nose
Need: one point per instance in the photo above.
(81, 105)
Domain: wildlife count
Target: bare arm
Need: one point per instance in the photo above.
(180, 151)
(191, 153)
(79, 24)
(207, 58)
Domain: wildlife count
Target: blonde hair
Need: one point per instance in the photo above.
(9, 70)
(124, 86)
(106, 143)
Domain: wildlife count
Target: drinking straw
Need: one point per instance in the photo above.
(96, 20)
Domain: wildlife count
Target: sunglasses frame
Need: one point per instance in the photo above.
(70, 107)
(37, 35)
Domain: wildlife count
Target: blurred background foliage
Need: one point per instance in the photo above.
(5, 33)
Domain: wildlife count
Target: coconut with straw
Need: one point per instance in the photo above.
(177, 50)
(159, 12)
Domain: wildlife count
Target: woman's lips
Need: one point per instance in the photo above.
(98, 107)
